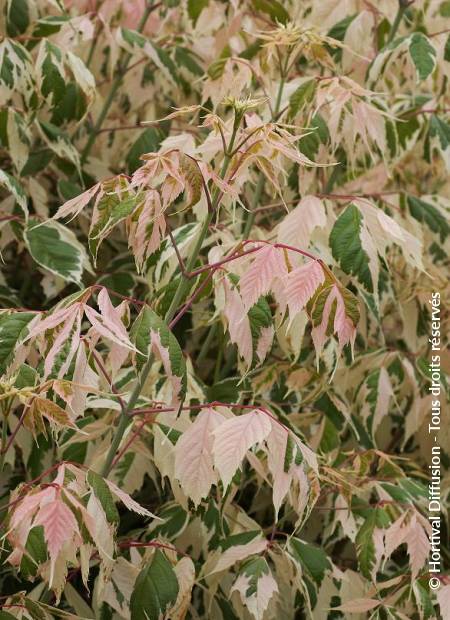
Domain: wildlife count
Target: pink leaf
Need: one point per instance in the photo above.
(268, 265)
(302, 283)
(144, 236)
(108, 324)
(194, 455)
(343, 325)
(73, 318)
(128, 501)
(297, 226)
(238, 323)
(50, 322)
(418, 545)
(395, 535)
(59, 525)
(443, 598)
(161, 351)
(234, 437)
(264, 342)
(281, 480)
(30, 503)
(74, 206)
(235, 554)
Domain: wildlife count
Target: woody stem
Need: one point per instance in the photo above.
(123, 64)
(180, 294)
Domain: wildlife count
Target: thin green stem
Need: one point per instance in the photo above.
(95, 39)
(254, 205)
(184, 283)
(276, 110)
(333, 177)
(123, 62)
(219, 359)
(207, 343)
(4, 440)
(183, 286)
(260, 185)
(402, 6)
(6, 410)
(124, 420)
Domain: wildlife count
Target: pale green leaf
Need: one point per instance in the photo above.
(155, 590)
(348, 249)
(422, 54)
(13, 330)
(56, 248)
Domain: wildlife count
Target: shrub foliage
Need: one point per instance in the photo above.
(223, 236)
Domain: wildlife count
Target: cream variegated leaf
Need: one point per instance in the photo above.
(194, 460)
(234, 437)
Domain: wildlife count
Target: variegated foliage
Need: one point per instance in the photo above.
(222, 225)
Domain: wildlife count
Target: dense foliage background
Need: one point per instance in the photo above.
(224, 239)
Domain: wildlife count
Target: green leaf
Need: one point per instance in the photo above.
(26, 377)
(330, 437)
(424, 602)
(292, 455)
(17, 72)
(49, 25)
(59, 142)
(16, 190)
(260, 319)
(422, 54)
(303, 95)
(444, 9)
(104, 496)
(440, 137)
(155, 590)
(36, 162)
(185, 58)
(195, 7)
(113, 207)
(55, 247)
(310, 143)
(226, 391)
(273, 8)
(52, 76)
(35, 552)
(447, 49)
(316, 305)
(13, 330)
(174, 519)
(150, 333)
(347, 247)
(14, 136)
(235, 540)
(147, 142)
(338, 32)
(428, 214)
(311, 557)
(407, 132)
(17, 17)
(325, 404)
(251, 51)
(217, 67)
(340, 28)
(162, 59)
(365, 546)
(254, 568)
